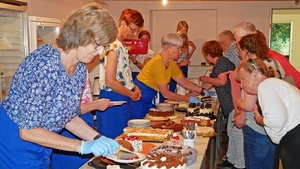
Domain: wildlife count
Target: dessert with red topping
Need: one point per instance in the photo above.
(135, 141)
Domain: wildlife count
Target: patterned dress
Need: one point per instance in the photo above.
(73, 160)
(113, 120)
(42, 95)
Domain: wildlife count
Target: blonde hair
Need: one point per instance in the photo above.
(85, 26)
(182, 24)
(185, 43)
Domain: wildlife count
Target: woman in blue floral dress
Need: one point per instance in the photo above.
(115, 77)
(45, 93)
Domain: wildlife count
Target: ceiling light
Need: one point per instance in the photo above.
(164, 2)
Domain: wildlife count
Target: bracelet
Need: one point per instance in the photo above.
(97, 136)
(135, 62)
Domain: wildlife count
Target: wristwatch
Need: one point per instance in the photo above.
(97, 136)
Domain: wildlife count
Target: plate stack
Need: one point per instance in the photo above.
(139, 123)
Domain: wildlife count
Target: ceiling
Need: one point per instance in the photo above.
(206, 0)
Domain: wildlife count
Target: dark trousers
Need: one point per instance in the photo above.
(290, 149)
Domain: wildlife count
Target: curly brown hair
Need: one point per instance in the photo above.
(212, 48)
(255, 44)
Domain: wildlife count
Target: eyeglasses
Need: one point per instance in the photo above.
(252, 63)
(100, 48)
(133, 30)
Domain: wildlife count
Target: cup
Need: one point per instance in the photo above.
(189, 142)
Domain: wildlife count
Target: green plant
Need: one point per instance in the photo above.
(280, 37)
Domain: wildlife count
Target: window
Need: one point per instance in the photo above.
(280, 38)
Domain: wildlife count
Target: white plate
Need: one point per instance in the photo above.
(118, 103)
(113, 157)
(139, 123)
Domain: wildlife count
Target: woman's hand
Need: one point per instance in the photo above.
(136, 93)
(239, 119)
(204, 79)
(99, 147)
(102, 104)
(258, 118)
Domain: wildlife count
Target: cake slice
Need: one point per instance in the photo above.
(125, 150)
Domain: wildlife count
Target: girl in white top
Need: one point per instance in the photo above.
(280, 108)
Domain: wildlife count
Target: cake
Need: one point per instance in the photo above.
(183, 105)
(169, 125)
(171, 149)
(200, 120)
(164, 161)
(125, 155)
(205, 131)
(162, 110)
(148, 133)
(135, 141)
(206, 110)
(126, 144)
(161, 113)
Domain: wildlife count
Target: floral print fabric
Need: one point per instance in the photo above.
(123, 74)
(42, 93)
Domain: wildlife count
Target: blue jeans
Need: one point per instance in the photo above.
(259, 150)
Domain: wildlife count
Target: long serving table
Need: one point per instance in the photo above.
(201, 145)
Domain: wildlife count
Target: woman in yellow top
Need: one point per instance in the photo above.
(156, 75)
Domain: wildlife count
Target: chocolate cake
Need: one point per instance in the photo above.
(157, 161)
(161, 113)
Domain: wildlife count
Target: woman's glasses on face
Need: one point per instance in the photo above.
(100, 48)
(133, 30)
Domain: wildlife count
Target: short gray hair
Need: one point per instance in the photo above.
(243, 29)
(171, 39)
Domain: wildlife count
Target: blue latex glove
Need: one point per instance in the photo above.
(206, 92)
(99, 147)
(194, 100)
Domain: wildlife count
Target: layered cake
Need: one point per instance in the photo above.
(161, 113)
(162, 110)
(148, 133)
(200, 120)
(135, 141)
(164, 161)
(205, 109)
(169, 125)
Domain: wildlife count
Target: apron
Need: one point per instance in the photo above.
(140, 108)
(16, 153)
(113, 120)
(71, 160)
